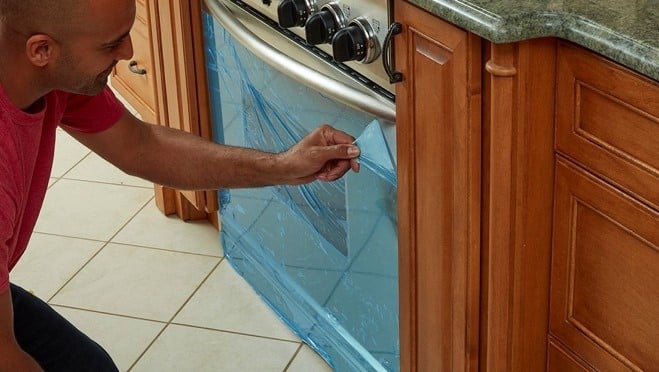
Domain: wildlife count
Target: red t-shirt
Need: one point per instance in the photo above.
(27, 144)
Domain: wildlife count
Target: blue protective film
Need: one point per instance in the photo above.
(375, 154)
(323, 256)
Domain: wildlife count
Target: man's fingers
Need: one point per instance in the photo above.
(334, 170)
(343, 151)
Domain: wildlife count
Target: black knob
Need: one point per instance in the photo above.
(321, 27)
(292, 13)
(349, 44)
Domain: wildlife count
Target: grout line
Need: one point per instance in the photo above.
(108, 313)
(99, 251)
(236, 333)
(290, 362)
(106, 183)
(168, 323)
(166, 250)
(77, 163)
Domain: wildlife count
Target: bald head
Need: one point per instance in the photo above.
(57, 18)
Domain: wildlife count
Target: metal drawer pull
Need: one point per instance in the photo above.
(132, 66)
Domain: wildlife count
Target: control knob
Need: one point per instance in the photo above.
(294, 13)
(356, 42)
(322, 26)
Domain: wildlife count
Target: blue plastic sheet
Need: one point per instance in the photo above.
(375, 154)
(322, 255)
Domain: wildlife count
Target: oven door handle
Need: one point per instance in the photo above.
(367, 100)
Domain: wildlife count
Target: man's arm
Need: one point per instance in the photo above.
(184, 161)
(12, 357)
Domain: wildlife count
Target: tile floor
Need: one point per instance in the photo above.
(156, 292)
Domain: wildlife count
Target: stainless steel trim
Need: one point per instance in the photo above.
(354, 96)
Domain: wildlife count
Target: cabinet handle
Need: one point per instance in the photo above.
(132, 66)
(387, 54)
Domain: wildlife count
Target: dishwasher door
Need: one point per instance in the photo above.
(323, 255)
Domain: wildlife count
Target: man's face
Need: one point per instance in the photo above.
(87, 59)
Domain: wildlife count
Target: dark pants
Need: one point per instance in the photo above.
(51, 340)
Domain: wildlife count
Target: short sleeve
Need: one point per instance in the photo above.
(92, 114)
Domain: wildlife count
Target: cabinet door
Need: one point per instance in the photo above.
(438, 140)
(605, 274)
(135, 80)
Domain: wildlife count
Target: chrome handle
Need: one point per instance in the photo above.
(132, 66)
(387, 54)
(366, 101)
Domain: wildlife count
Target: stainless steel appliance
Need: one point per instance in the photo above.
(323, 255)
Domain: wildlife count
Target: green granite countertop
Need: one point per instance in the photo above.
(626, 31)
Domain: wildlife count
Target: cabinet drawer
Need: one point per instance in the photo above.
(608, 120)
(604, 302)
(138, 89)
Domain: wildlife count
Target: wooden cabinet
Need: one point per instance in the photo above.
(438, 141)
(528, 197)
(166, 83)
(605, 268)
(135, 80)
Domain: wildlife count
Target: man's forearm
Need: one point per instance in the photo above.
(181, 160)
(184, 161)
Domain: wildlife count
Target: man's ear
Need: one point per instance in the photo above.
(40, 49)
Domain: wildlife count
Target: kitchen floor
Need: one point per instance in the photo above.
(156, 292)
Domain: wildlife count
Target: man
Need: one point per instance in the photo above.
(55, 58)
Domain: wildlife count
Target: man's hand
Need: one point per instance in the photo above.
(325, 154)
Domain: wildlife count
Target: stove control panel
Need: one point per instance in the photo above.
(351, 32)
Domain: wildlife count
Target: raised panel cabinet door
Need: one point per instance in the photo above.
(609, 120)
(605, 273)
(438, 140)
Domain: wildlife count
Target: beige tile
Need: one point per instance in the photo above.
(125, 339)
(133, 281)
(308, 360)
(182, 348)
(150, 228)
(50, 261)
(68, 152)
(95, 168)
(89, 210)
(226, 302)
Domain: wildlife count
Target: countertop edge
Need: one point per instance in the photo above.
(637, 56)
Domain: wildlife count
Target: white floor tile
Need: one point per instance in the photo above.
(308, 360)
(125, 339)
(226, 302)
(182, 348)
(89, 210)
(50, 261)
(140, 282)
(150, 228)
(68, 152)
(95, 168)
